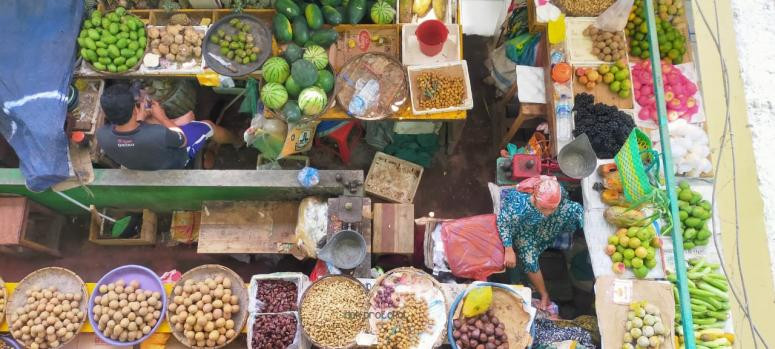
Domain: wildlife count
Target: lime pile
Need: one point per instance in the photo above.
(634, 248)
(672, 43)
(694, 213)
(617, 77)
(236, 42)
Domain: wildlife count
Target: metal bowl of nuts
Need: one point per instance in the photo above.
(333, 311)
(47, 307)
(220, 295)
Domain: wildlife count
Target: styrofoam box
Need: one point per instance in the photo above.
(410, 46)
(468, 103)
(300, 280)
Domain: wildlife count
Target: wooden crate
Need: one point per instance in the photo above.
(393, 229)
(393, 179)
(341, 52)
(248, 227)
(601, 92)
(98, 233)
(28, 228)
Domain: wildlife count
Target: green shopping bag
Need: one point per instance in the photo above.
(637, 165)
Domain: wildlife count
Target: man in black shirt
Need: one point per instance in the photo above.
(143, 146)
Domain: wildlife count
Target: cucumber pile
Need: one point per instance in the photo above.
(113, 42)
(709, 302)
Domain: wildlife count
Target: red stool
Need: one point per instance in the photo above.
(340, 135)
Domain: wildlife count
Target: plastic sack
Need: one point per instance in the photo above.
(308, 177)
(311, 225)
(614, 19)
(266, 135)
(473, 246)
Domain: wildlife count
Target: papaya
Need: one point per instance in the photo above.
(300, 31)
(282, 28)
(324, 37)
(314, 16)
(288, 8)
(332, 16)
(356, 10)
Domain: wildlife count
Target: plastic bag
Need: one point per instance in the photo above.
(473, 246)
(614, 19)
(266, 135)
(311, 225)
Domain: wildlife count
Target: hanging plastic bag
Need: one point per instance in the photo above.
(614, 19)
(473, 246)
(266, 135)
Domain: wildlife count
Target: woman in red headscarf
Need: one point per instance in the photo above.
(531, 217)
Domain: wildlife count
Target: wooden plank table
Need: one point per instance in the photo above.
(248, 227)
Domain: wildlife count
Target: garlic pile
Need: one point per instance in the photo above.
(690, 148)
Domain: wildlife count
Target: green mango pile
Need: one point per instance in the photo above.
(113, 42)
(694, 213)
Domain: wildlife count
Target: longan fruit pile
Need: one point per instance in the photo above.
(203, 311)
(48, 319)
(126, 313)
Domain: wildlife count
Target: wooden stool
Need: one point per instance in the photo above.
(28, 228)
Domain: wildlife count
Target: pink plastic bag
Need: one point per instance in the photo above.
(473, 246)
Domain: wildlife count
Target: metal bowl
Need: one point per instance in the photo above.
(262, 37)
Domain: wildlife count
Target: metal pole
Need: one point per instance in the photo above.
(667, 161)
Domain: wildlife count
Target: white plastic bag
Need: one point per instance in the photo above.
(614, 19)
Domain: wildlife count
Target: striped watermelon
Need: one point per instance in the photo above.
(382, 12)
(312, 100)
(274, 95)
(276, 69)
(317, 55)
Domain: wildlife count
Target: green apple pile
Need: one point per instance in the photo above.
(634, 248)
(694, 213)
(617, 77)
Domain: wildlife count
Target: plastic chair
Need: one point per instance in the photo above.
(339, 132)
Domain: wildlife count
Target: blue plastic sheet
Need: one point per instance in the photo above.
(37, 52)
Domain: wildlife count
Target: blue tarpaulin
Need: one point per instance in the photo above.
(37, 53)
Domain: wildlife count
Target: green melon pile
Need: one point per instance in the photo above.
(298, 82)
(113, 42)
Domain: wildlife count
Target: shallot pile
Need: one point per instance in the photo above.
(679, 92)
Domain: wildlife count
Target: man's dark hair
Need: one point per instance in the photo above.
(118, 104)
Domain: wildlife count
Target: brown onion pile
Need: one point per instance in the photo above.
(274, 331)
(483, 331)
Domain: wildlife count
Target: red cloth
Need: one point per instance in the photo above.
(545, 189)
(473, 247)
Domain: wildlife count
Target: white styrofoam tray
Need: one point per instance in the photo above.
(468, 103)
(410, 46)
(300, 280)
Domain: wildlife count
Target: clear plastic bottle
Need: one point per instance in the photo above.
(563, 111)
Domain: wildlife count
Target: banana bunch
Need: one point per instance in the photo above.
(709, 303)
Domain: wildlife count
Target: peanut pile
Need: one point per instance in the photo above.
(583, 8)
(439, 91)
(48, 319)
(202, 311)
(331, 311)
(404, 327)
(125, 312)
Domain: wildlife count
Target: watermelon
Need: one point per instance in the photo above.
(382, 12)
(312, 100)
(276, 69)
(274, 95)
(317, 55)
(291, 112)
(325, 80)
(292, 87)
(304, 73)
(292, 53)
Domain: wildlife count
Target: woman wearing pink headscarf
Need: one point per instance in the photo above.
(531, 217)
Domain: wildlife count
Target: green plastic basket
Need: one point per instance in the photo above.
(636, 180)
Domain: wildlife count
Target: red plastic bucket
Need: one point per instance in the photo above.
(431, 35)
